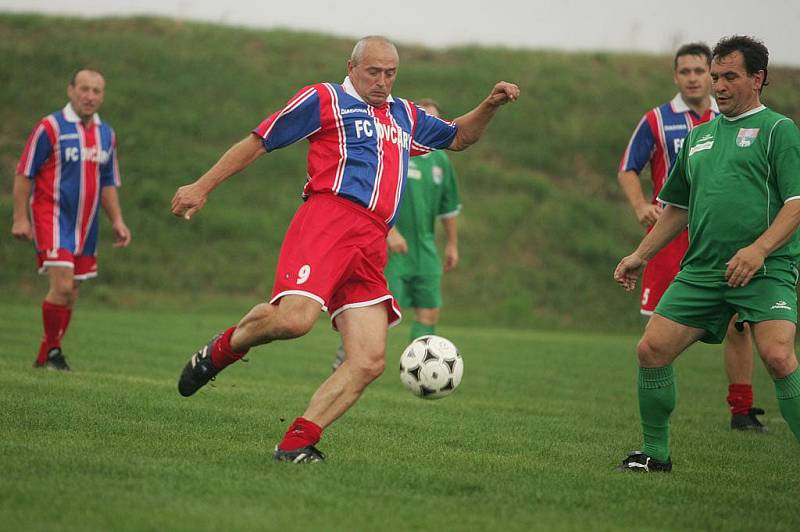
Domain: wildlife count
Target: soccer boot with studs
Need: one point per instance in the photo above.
(55, 360)
(304, 455)
(748, 421)
(198, 371)
(639, 462)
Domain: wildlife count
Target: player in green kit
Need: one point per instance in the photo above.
(735, 183)
(414, 270)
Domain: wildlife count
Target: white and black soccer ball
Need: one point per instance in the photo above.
(431, 367)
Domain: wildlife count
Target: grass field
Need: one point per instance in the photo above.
(527, 443)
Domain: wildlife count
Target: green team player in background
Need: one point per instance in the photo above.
(736, 182)
(414, 270)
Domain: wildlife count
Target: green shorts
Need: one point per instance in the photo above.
(710, 305)
(416, 291)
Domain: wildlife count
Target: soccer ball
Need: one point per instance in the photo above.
(431, 367)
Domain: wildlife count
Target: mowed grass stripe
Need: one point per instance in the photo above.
(528, 441)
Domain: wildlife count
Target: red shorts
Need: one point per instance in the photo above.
(83, 266)
(661, 270)
(334, 252)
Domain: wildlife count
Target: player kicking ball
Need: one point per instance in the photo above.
(334, 253)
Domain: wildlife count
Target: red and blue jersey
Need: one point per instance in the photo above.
(69, 163)
(357, 151)
(658, 139)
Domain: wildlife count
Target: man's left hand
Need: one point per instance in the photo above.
(450, 257)
(502, 93)
(122, 235)
(743, 266)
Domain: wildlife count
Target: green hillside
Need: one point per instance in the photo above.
(543, 222)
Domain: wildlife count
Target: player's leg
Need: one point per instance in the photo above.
(426, 299)
(291, 316)
(363, 331)
(738, 349)
(56, 312)
(775, 343)
(662, 342)
(425, 320)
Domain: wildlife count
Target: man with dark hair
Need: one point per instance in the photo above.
(334, 253)
(736, 185)
(656, 141)
(68, 167)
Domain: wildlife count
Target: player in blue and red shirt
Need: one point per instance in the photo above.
(334, 253)
(68, 170)
(657, 140)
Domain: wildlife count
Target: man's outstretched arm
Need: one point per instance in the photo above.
(472, 125)
(189, 199)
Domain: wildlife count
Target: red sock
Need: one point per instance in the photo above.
(301, 433)
(55, 319)
(222, 355)
(740, 398)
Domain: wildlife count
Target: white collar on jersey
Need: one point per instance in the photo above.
(72, 116)
(680, 106)
(351, 90)
(751, 112)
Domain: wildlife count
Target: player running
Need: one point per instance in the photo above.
(68, 168)
(736, 185)
(334, 253)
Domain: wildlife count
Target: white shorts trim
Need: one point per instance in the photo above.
(309, 295)
(84, 276)
(56, 264)
(361, 304)
(645, 312)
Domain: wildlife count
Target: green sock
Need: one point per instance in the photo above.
(656, 402)
(788, 391)
(418, 329)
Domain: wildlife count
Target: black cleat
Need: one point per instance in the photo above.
(749, 421)
(198, 371)
(638, 462)
(55, 360)
(303, 455)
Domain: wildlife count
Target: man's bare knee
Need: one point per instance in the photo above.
(650, 354)
(367, 369)
(779, 357)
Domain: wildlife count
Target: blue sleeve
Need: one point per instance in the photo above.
(109, 170)
(298, 119)
(431, 133)
(639, 149)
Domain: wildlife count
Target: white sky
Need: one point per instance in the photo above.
(635, 25)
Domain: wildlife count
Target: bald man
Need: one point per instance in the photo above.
(334, 252)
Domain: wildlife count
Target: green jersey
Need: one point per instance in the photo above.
(734, 175)
(431, 193)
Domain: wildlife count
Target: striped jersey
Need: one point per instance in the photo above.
(658, 138)
(69, 163)
(356, 150)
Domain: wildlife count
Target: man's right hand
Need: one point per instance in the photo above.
(648, 214)
(628, 271)
(396, 242)
(22, 229)
(188, 200)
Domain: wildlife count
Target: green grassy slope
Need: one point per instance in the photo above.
(527, 442)
(543, 224)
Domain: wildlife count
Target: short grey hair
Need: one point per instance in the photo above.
(358, 49)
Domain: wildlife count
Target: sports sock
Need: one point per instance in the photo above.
(657, 394)
(301, 433)
(787, 390)
(420, 329)
(55, 319)
(222, 355)
(740, 399)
